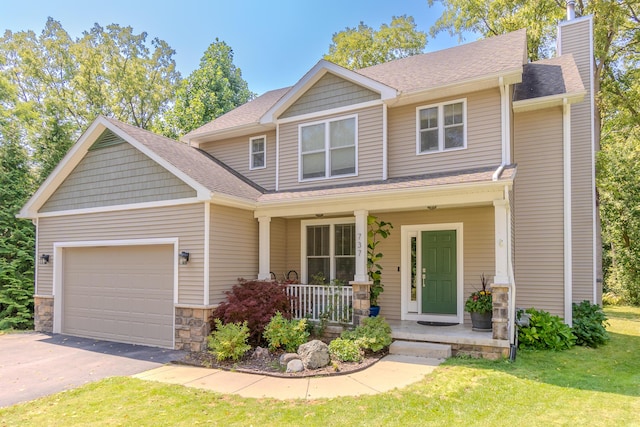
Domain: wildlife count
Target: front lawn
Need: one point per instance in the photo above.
(580, 386)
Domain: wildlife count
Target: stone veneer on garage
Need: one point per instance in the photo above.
(192, 328)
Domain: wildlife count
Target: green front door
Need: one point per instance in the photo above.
(439, 272)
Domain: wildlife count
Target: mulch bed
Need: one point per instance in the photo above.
(270, 365)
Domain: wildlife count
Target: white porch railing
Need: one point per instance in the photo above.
(322, 302)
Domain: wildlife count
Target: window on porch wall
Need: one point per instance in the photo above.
(331, 252)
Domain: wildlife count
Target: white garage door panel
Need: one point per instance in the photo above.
(119, 293)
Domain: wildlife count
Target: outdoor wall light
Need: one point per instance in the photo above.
(184, 257)
(44, 259)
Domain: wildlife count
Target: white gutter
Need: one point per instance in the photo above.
(504, 128)
(385, 144)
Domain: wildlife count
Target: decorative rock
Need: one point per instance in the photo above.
(295, 365)
(288, 357)
(260, 353)
(314, 354)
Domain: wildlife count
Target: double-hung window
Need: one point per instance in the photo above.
(328, 149)
(441, 127)
(258, 152)
(330, 250)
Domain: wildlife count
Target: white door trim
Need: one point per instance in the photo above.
(405, 271)
(58, 273)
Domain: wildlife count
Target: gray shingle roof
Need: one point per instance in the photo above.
(245, 114)
(210, 173)
(549, 77)
(457, 64)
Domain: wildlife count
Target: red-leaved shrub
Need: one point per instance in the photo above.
(256, 302)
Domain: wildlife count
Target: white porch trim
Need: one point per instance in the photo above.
(361, 245)
(502, 240)
(264, 254)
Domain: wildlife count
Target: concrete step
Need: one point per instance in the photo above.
(420, 349)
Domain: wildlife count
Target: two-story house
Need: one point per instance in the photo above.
(482, 161)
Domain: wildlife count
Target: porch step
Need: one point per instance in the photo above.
(420, 349)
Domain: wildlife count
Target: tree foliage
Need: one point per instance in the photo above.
(616, 77)
(362, 46)
(210, 91)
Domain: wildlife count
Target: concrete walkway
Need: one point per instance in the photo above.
(392, 371)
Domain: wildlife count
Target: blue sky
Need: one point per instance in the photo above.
(274, 42)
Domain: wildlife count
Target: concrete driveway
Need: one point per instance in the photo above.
(33, 365)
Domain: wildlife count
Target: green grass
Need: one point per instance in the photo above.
(577, 387)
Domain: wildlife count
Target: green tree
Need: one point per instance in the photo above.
(615, 76)
(210, 91)
(62, 84)
(16, 236)
(360, 47)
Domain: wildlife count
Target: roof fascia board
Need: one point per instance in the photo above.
(458, 88)
(548, 101)
(232, 202)
(232, 132)
(117, 208)
(411, 198)
(313, 75)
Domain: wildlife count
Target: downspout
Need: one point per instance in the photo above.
(385, 144)
(277, 183)
(504, 129)
(568, 223)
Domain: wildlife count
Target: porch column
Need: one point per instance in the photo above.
(361, 246)
(502, 242)
(264, 267)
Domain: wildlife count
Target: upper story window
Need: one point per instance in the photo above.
(258, 152)
(441, 127)
(328, 149)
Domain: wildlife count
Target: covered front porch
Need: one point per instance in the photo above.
(326, 231)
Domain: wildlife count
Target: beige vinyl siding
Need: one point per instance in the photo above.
(329, 92)
(539, 210)
(369, 159)
(484, 140)
(478, 236)
(115, 175)
(278, 238)
(234, 152)
(293, 246)
(186, 222)
(575, 40)
(234, 249)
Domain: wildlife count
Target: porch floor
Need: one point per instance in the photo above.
(456, 335)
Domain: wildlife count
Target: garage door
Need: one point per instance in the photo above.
(119, 293)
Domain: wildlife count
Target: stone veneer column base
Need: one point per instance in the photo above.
(500, 318)
(192, 327)
(43, 313)
(361, 304)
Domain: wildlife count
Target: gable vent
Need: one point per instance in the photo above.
(107, 139)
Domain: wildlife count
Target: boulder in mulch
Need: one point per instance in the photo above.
(295, 365)
(288, 357)
(314, 354)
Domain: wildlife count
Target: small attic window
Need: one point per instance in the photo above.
(107, 139)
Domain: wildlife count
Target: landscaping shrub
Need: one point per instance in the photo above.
(229, 341)
(256, 302)
(374, 334)
(589, 324)
(610, 298)
(285, 333)
(345, 350)
(545, 332)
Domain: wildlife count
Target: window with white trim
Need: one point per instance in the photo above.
(328, 149)
(258, 152)
(441, 127)
(330, 250)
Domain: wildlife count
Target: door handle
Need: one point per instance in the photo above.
(424, 279)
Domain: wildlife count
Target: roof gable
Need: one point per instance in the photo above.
(208, 178)
(313, 76)
(330, 91)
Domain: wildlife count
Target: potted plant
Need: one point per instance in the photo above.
(480, 306)
(377, 230)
